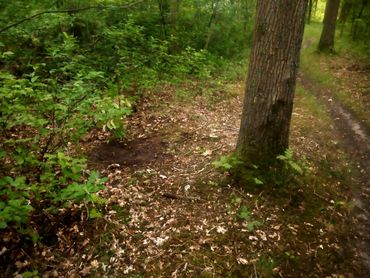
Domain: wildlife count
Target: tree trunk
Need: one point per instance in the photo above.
(328, 32)
(211, 19)
(163, 11)
(309, 11)
(359, 16)
(315, 9)
(344, 13)
(274, 60)
(174, 7)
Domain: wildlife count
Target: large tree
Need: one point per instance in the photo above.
(326, 42)
(274, 60)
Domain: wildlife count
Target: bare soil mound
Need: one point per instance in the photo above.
(133, 153)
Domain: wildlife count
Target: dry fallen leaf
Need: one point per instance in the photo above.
(242, 261)
(207, 153)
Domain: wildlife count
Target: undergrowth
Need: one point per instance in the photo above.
(66, 75)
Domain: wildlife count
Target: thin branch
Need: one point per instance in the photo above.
(65, 11)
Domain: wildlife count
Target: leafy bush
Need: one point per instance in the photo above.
(65, 74)
(60, 182)
(14, 203)
(43, 113)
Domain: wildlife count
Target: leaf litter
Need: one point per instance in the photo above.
(174, 215)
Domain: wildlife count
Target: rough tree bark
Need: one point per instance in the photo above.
(326, 42)
(274, 60)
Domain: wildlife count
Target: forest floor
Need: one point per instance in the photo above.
(170, 213)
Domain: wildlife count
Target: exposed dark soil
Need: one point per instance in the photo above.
(133, 153)
(354, 139)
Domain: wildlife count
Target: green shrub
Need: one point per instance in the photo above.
(61, 182)
(14, 203)
(43, 113)
(227, 163)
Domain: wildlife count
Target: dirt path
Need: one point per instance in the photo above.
(354, 139)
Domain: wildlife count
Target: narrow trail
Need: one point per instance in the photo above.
(354, 139)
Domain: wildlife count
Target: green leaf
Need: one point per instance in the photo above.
(19, 159)
(244, 213)
(258, 181)
(8, 53)
(252, 225)
(296, 167)
(2, 154)
(94, 213)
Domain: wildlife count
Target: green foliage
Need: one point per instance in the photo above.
(14, 205)
(283, 172)
(61, 181)
(49, 107)
(355, 19)
(265, 267)
(245, 214)
(66, 74)
(30, 274)
(288, 170)
(289, 163)
(248, 174)
(94, 213)
(226, 163)
(55, 108)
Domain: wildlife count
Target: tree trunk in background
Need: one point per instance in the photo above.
(209, 27)
(174, 7)
(315, 9)
(344, 13)
(309, 11)
(328, 32)
(359, 16)
(163, 11)
(274, 60)
(174, 10)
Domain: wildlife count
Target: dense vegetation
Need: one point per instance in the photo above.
(71, 67)
(79, 66)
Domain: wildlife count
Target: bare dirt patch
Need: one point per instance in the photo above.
(130, 154)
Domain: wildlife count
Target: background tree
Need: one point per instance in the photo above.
(309, 11)
(326, 42)
(345, 10)
(277, 38)
(355, 14)
(360, 20)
